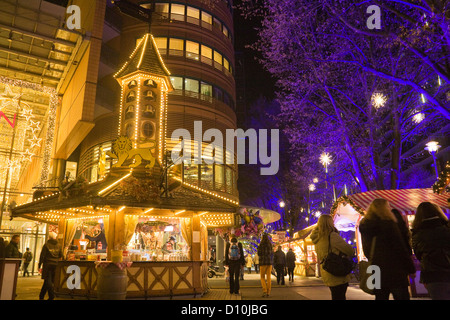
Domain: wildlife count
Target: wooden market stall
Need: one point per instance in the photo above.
(305, 254)
(347, 212)
(140, 210)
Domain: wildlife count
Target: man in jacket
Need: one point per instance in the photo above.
(279, 261)
(12, 249)
(234, 259)
(50, 255)
(290, 263)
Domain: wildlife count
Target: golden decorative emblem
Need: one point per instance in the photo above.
(123, 149)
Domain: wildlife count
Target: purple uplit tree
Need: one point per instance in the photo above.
(363, 96)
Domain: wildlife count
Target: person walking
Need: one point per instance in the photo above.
(279, 262)
(12, 249)
(51, 253)
(290, 264)
(431, 245)
(265, 254)
(249, 263)
(234, 259)
(326, 238)
(27, 257)
(379, 226)
(2, 248)
(256, 262)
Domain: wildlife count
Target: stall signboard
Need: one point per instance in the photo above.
(280, 236)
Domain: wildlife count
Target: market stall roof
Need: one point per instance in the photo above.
(127, 190)
(347, 210)
(268, 216)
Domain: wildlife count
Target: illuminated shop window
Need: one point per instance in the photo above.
(219, 183)
(192, 50)
(206, 171)
(177, 12)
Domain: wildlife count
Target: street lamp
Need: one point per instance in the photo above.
(282, 204)
(432, 147)
(325, 160)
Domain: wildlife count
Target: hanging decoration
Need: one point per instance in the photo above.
(251, 225)
(443, 183)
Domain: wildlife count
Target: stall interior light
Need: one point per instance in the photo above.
(149, 210)
(168, 228)
(121, 208)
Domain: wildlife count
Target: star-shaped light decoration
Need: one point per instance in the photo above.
(9, 98)
(27, 155)
(27, 114)
(378, 100)
(35, 142)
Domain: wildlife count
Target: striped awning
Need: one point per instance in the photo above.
(404, 200)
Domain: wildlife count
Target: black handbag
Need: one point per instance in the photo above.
(338, 265)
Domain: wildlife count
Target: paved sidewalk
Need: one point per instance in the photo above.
(303, 288)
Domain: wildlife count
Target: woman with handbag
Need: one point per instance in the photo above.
(431, 243)
(327, 239)
(390, 252)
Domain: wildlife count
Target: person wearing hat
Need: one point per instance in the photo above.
(234, 259)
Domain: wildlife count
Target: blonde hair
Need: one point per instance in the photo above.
(325, 225)
(380, 209)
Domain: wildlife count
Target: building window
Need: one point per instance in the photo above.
(191, 85)
(161, 43)
(217, 60)
(177, 83)
(206, 55)
(192, 50)
(147, 129)
(226, 64)
(206, 90)
(217, 24)
(177, 12)
(193, 15)
(176, 47)
(206, 20)
(162, 10)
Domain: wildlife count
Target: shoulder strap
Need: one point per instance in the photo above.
(372, 247)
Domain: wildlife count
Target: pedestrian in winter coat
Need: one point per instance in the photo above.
(265, 254)
(256, 262)
(2, 248)
(235, 261)
(279, 262)
(290, 264)
(391, 254)
(404, 229)
(51, 253)
(431, 244)
(12, 249)
(249, 263)
(326, 238)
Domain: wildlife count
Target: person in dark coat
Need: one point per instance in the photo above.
(279, 262)
(431, 244)
(290, 264)
(265, 254)
(390, 254)
(234, 264)
(12, 249)
(404, 229)
(51, 253)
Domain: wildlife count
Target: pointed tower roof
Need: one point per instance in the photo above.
(146, 58)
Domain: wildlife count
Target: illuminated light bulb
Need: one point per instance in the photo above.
(378, 100)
